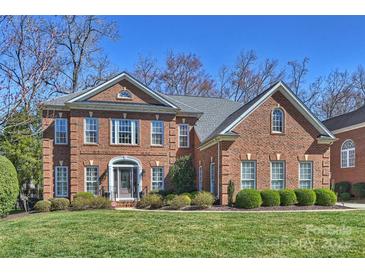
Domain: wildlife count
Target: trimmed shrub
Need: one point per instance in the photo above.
(81, 203)
(358, 190)
(325, 197)
(168, 199)
(42, 206)
(9, 186)
(193, 194)
(86, 195)
(342, 187)
(287, 197)
(248, 198)
(180, 201)
(59, 204)
(203, 199)
(182, 175)
(189, 194)
(344, 196)
(230, 190)
(150, 201)
(270, 197)
(305, 197)
(100, 202)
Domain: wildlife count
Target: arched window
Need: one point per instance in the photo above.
(348, 154)
(277, 121)
(124, 94)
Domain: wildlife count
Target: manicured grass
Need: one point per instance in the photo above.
(106, 233)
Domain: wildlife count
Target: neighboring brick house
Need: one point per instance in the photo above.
(348, 151)
(121, 137)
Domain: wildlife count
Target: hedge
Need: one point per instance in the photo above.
(287, 197)
(341, 187)
(180, 201)
(203, 199)
(42, 206)
(59, 204)
(150, 201)
(305, 197)
(248, 198)
(358, 190)
(325, 197)
(270, 197)
(9, 186)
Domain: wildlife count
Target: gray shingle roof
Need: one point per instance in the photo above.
(346, 120)
(215, 111)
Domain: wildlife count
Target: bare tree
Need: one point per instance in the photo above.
(27, 64)
(82, 62)
(223, 82)
(358, 79)
(184, 75)
(297, 72)
(147, 71)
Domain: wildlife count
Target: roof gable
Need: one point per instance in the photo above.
(118, 83)
(348, 121)
(238, 116)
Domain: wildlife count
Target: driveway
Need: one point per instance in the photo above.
(353, 205)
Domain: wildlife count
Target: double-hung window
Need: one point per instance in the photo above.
(125, 132)
(61, 181)
(157, 178)
(91, 130)
(277, 174)
(92, 179)
(248, 174)
(200, 178)
(183, 135)
(157, 133)
(305, 174)
(61, 130)
(212, 177)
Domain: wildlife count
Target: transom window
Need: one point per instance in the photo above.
(157, 178)
(278, 121)
(277, 174)
(125, 94)
(348, 154)
(61, 181)
(248, 174)
(212, 177)
(61, 131)
(200, 178)
(305, 174)
(91, 130)
(125, 132)
(183, 135)
(92, 179)
(157, 132)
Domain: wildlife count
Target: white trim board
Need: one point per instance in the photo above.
(352, 127)
(115, 80)
(293, 99)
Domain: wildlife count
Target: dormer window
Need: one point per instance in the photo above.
(124, 94)
(277, 123)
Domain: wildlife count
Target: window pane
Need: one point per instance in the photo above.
(248, 175)
(277, 175)
(212, 177)
(91, 130)
(277, 120)
(157, 132)
(184, 135)
(61, 131)
(157, 178)
(61, 181)
(92, 180)
(125, 131)
(305, 175)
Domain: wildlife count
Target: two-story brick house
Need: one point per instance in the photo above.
(123, 137)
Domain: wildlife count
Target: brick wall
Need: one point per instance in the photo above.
(353, 174)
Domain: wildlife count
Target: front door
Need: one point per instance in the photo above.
(123, 180)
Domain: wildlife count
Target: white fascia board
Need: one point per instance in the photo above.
(115, 80)
(352, 127)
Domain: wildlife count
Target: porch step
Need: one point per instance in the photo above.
(123, 204)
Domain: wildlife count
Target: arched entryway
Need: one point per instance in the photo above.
(125, 178)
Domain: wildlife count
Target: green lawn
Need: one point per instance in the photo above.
(193, 234)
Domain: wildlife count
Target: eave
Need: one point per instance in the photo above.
(218, 138)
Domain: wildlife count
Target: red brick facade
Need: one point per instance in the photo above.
(255, 142)
(354, 174)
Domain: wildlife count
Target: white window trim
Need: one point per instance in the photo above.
(163, 133)
(55, 130)
(163, 178)
(200, 178)
(255, 165)
(212, 175)
(348, 154)
(56, 182)
(133, 131)
(188, 136)
(97, 131)
(284, 177)
(299, 179)
(85, 176)
(272, 121)
(130, 97)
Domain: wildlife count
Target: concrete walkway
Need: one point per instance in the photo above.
(353, 205)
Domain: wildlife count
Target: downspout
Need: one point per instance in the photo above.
(218, 171)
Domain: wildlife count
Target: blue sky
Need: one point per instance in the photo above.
(329, 41)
